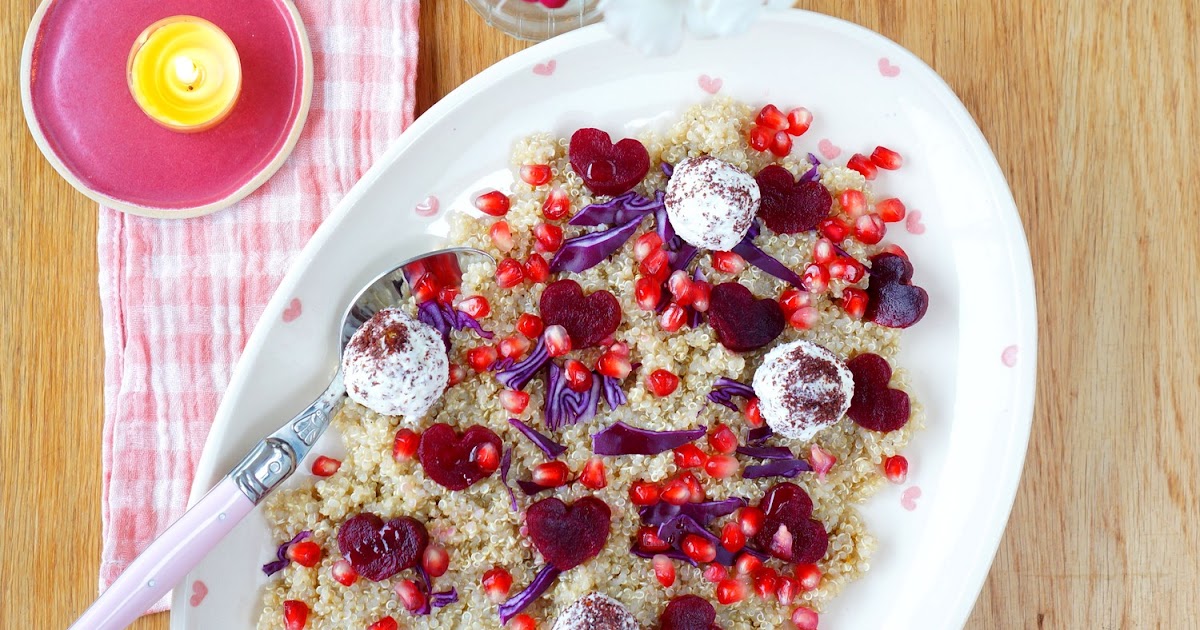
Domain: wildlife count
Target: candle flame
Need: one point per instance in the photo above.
(186, 70)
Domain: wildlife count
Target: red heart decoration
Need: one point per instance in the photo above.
(588, 320)
(788, 505)
(569, 535)
(379, 550)
(892, 299)
(741, 321)
(874, 405)
(788, 206)
(447, 458)
(607, 168)
(688, 612)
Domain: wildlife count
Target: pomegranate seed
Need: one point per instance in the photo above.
(547, 238)
(435, 560)
(699, 549)
(804, 318)
(751, 520)
(681, 287)
(695, 490)
(425, 288)
(295, 614)
(672, 318)
(530, 325)
(786, 590)
(447, 295)
(557, 205)
(792, 299)
(614, 365)
(799, 120)
(648, 540)
(834, 229)
(513, 401)
(823, 251)
(325, 466)
(891, 210)
(760, 138)
(536, 268)
(486, 457)
(476, 306)
(853, 203)
(886, 158)
(481, 358)
(410, 595)
(509, 273)
(536, 174)
(664, 570)
(550, 474)
(676, 492)
(808, 576)
(849, 269)
(648, 293)
(863, 165)
(728, 262)
(387, 623)
(457, 375)
(869, 229)
(593, 475)
(690, 456)
(781, 144)
(701, 294)
(781, 544)
(496, 583)
(558, 342)
(753, 416)
(730, 591)
(305, 553)
(723, 439)
(494, 203)
(643, 493)
(815, 278)
(501, 236)
(732, 538)
(646, 244)
(896, 468)
(804, 618)
(522, 622)
(746, 564)
(578, 377)
(405, 446)
(715, 573)
(513, 346)
(344, 573)
(822, 461)
(766, 580)
(656, 265)
(662, 382)
(619, 348)
(721, 466)
(854, 302)
(771, 118)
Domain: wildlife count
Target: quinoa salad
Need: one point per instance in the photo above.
(658, 408)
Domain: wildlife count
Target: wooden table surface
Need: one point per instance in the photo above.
(1092, 110)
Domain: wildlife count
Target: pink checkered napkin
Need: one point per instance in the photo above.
(180, 297)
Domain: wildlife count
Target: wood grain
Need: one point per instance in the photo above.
(1092, 111)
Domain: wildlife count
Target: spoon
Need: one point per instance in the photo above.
(181, 547)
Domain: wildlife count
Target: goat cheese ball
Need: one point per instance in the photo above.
(396, 365)
(802, 388)
(711, 203)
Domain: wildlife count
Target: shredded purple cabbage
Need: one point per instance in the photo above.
(515, 375)
(620, 209)
(679, 252)
(759, 435)
(444, 598)
(541, 582)
(667, 169)
(766, 452)
(674, 554)
(505, 465)
(443, 317)
(811, 175)
(426, 586)
(724, 389)
(680, 525)
(611, 388)
(703, 513)
(757, 257)
(530, 488)
(281, 560)
(584, 252)
(776, 468)
(812, 159)
(621, 439)
(565, 406)
(551, 448)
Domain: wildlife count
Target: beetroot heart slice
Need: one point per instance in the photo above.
(379, 550)
(688, 612)
(446, 457)
(875, 406)
(788, 206)
(607, 168)
(892, 300)
(788, 505)
(741, 321)
(569, 535)
(588, 320)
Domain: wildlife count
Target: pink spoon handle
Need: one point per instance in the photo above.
(168, 558)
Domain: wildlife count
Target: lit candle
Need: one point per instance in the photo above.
(185, 73)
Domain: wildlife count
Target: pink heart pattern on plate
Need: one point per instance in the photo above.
(199, 592)
(428, 207)
(1009, 356)
(828, 150)
(887, 68)
(712, 85)
(908, 500)
(545, 69)
(292, 311)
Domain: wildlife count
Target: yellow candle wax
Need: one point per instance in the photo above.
(185, 73)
